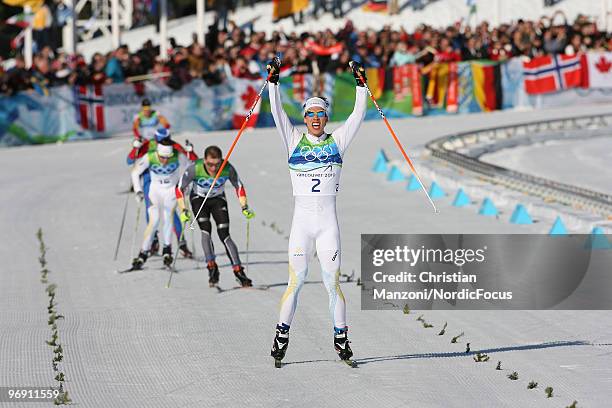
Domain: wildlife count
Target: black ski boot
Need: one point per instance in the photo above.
(139, 261)
(167, 255)
(184, 250)
(341, 344)
(155, 245)
(213, 274)
(280, 344)
(241, 277)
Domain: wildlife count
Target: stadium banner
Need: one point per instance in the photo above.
(512, 83)
(34, 118)
(194, 107)
(84, 112)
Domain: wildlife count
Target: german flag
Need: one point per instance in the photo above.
(487, 85)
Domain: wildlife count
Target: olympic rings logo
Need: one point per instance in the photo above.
(315, 153)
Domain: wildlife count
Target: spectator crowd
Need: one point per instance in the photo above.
(243, 52)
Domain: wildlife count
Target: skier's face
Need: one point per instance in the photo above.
(212, 164)
(315, 120)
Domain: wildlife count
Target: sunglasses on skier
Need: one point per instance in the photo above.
(319, 114)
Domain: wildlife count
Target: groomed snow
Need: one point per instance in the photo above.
(129, 342)
(584, 163)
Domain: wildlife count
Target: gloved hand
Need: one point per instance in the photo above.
(188, 146)
(273, 69)
(139, 197)
(136, 144)
(248, 213)
(185, 216)
(358, 70)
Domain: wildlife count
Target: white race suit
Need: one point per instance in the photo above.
(164, 178)
(315, 164)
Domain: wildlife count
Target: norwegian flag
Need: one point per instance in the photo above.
(90, 107)
(245, 92)
(552, 73)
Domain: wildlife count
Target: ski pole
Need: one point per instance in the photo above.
(229, 153)
(247, 243)
(176, 256)
(125, 206)
(399, 145)
(135, 230)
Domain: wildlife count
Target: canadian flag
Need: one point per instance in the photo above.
(245, 93)
(599, 70)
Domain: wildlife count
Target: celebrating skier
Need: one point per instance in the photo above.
(165, 166)
(202, 174)
(138, 151)
(315, 161)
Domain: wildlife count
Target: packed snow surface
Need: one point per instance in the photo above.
(128, 341)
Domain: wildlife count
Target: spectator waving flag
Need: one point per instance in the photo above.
(551, 73)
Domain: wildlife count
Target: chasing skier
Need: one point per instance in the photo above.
(147, 121)
(201, 175)
(165, 165)
(315, 161)
(139, 150)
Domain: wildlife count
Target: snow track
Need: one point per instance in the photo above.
(128, 341)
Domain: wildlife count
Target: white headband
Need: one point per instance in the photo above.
(315, 101)
(165, 151)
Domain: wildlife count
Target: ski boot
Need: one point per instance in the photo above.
(139, 261)
(341, 344)
(241, 277)
(213, 273)
(167, 255)
(280, 344)
(184, 250)
(155, 245)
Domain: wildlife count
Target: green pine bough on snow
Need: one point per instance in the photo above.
(514, 376)
(443, 329)
(532, 385)
(454, 339)
(481, 358)
(549, 392)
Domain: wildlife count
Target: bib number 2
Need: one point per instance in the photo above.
(316, 184)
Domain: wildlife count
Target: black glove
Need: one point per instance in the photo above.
(358, 70)
(273, 69)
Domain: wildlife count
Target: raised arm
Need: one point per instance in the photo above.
(283, 124)
(344, 134)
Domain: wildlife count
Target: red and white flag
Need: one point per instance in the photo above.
(599, 70)
(551, 73)
(245, 92)
(90, 102)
